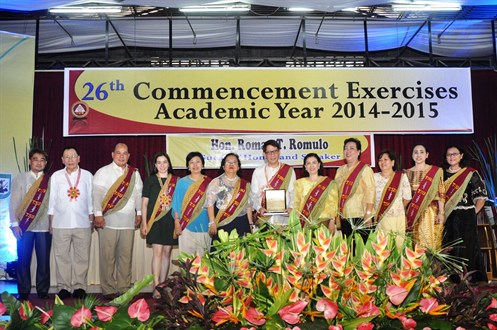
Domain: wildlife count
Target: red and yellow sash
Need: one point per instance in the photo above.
(241, 193)
(389, 193)
(456, 185)
(425, 194)
(119, 193)
(349, 185)
(280, 180)
(193, 201)
(163, 201)
(27, 212)
(314, 204)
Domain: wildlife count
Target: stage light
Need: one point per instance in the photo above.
(216, 9)
(300, 9)
(86, 10)
(426, 6)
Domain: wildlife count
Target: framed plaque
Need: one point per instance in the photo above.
(275, 201)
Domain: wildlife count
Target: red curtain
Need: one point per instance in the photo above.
(96, 151)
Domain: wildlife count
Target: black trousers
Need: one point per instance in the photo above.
(346, 227)
(42, 242)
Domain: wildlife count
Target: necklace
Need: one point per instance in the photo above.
(73, 191)
(231, 179)
(451, 170)
(164, 198)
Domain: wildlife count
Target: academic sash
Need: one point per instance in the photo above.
(456, 185)
(424, 195)
(241, 193)
(194, 201)
(119, 193)
(349, 185)
(388, 195)
(27, 212)
(163, 201)
(280, 180)
(314, 203)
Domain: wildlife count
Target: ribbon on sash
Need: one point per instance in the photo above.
(314, 203)
(161, 206)
(192, 206)
(388, 196)
(27, 213)
(456, 185)
(118, 194)
(238, 201)
(424, 195)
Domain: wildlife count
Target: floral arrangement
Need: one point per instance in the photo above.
(89, 313)
(284, 278)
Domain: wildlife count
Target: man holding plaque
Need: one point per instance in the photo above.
(272, 187)
(29, 223)
(117, 192)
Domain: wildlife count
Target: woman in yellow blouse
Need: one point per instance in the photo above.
(425, 215)
(315, 195)
(356, 190)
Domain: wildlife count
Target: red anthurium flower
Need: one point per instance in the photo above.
(294, 328)
(245, 328)
(460, 328)
(335, 327)
(139, 309)
(3, 309)
(45, 316)
(365, 326)
(26, 310)
(396, 294)
(407, 324)
(82, 316)
(330, 308)
(290, 313)
(493, 317)
(430, 306)
(493, 304)
(105, 313)
(254, 316)
(491, 326)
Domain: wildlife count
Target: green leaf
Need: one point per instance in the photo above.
(126, 297)
(280, 302)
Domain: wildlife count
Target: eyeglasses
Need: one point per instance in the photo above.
(453, 154)
(272, 152)
(70, 157)
(231, 163)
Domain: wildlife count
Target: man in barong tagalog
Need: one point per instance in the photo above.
(29, 223)
(272, 175)
(70, 212)
(117, 192)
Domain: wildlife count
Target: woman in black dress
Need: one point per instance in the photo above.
(465, 196)
(157, 220)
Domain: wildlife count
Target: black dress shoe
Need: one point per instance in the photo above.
(110, 296)
(43, 295)
(64, 294)
(79, 294)
(23, 297)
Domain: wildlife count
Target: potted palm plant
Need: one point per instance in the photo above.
(486, 155)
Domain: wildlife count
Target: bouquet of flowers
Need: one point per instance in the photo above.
(306, 277)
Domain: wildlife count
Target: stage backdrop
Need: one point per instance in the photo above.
(16, 110)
